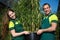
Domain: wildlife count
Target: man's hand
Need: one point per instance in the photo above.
(39, 32)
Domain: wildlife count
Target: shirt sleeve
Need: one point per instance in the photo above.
(53, 18)
(11, 25)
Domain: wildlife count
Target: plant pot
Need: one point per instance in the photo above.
(32, 36)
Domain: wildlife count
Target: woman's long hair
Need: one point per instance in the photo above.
(5, 23)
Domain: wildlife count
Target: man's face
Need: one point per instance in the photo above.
(46, 9)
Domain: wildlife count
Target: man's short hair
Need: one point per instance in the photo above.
(46, 4)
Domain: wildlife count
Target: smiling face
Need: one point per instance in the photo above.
(11, 14)
(46, 9)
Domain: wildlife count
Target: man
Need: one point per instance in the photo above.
(48, 25)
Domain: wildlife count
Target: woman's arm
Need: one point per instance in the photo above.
(14, 34)
(12, 30)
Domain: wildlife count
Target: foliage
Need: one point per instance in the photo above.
(58, 28)
(28, 13)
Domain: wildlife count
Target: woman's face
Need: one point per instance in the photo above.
(11, 15)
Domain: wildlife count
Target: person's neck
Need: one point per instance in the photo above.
(48, 14)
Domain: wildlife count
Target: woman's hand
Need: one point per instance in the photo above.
(26, 32)
(39, 32)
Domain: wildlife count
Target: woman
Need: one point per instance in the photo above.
(11, 23)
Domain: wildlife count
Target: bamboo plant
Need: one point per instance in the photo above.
(29, 15)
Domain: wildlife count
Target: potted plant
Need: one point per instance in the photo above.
(30, 17)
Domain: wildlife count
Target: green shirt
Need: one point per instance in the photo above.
(46, 23)
(15, 24)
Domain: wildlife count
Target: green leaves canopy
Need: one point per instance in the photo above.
(28, 13)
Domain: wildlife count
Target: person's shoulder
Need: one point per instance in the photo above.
(11, 22)
(53, 15)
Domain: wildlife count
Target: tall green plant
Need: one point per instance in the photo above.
(29, 14)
